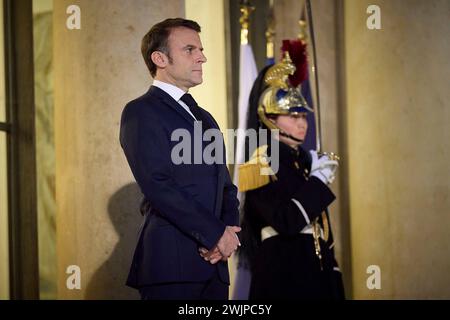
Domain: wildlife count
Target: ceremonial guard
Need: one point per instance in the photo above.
(286, 235)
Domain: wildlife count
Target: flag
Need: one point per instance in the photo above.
(247, 75)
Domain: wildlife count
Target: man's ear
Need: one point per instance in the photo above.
(159, 58)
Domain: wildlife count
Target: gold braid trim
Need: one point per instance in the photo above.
(326, 226)
(256, 172)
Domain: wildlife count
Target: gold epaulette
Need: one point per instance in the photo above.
(256, 172)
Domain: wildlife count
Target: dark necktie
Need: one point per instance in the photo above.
(195, 110)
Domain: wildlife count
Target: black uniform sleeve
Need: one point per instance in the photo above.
(289, 212)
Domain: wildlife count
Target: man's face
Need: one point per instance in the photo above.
(295, 125)
(186, 52)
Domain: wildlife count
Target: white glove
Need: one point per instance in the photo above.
(323, 168)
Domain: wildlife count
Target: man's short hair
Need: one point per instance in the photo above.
(157, 39)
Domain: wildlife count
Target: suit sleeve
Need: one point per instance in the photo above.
(146, 144)
(290, 213)
(230, 204)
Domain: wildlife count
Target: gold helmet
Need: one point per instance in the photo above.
(281, 98)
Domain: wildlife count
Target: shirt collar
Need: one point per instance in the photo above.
(175, 92)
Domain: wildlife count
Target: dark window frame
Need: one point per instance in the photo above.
(20, 128)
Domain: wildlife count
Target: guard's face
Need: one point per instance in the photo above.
(186, 51)
(295, 125)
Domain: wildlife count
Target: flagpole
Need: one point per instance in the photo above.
(246, 9)
(270, 36)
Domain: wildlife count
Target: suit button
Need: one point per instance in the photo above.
(196, 235)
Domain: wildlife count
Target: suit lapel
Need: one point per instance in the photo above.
(211, 123)
(168, 100)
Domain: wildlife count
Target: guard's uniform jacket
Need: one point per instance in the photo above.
(279, 217)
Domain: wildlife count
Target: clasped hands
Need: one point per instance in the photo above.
(224, 248)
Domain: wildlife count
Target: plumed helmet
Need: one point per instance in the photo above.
(280, 97)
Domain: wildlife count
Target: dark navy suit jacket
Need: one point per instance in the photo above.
(190, 204)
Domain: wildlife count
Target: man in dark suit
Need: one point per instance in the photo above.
(191, 216)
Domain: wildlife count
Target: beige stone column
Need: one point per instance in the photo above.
(397, 112)
(98, 69)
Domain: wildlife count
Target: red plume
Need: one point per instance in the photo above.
(297, 52)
